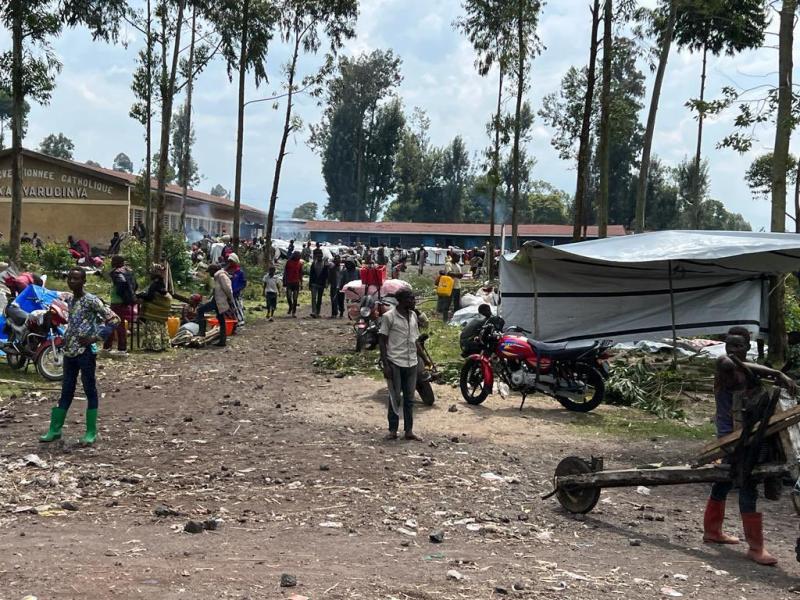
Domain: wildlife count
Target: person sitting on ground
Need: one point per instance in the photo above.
(189, 309)
(271, 289)
(154, 312)
(736, 386)
(221, 303)
(123, 301)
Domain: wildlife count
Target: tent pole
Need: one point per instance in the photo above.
(672, 313)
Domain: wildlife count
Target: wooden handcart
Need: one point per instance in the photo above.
(577, 482)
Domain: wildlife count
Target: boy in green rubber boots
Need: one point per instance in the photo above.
(90, 321)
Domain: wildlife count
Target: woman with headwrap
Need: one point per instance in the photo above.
(154, 312)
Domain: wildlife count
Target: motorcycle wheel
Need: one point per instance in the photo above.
(50, 364)
(425, 391)
(359, 342)
(595, 389)
(16, 361)
(474, 388)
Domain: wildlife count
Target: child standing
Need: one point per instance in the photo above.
(271, 289)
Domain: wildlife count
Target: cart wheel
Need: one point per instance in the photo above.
(577, 501)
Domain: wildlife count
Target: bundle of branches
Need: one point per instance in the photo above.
(641, 386)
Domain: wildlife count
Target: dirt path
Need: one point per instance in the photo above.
(291, 464)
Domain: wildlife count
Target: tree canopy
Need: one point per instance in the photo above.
(58, 145)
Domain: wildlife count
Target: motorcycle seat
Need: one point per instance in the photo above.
(563, 349)
(16, 316)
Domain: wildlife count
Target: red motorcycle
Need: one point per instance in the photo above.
(571, 372)
(37, 337)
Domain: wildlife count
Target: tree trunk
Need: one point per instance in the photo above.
(287, 127)
(148, 187)
(605, 123)
(641, 191)
(783, 132)
(167, 93)
(698, 150)
(797, 199)
(186, 159)
(16, 134)
(518, 126)
(495, 174)
(237, 190)
(584, 143)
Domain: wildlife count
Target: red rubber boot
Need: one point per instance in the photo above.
(754, 534)
(712, 524)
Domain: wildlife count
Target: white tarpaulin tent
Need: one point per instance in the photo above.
(637, 287)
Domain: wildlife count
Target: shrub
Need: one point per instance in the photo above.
(135, 254)
(28, 259)
(55, 258)
(178, 257)
(643, 387)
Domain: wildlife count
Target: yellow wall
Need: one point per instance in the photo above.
(58, 202)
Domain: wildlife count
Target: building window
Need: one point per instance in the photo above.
(137, 216)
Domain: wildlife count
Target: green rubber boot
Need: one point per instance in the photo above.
(91, 427)
(57, 417)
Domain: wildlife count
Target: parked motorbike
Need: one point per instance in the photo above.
(36, 337)
(570, 372)
(368, 323)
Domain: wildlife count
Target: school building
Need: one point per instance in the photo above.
(462, 235)
(62, 197)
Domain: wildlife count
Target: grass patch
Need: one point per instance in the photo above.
(344, 365)
(634, 424)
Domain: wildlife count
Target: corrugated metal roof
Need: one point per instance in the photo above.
(480, 229)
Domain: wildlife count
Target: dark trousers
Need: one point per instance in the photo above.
(201, 319)
(748, 495)
(84, 365)
(402, 387)
(272, 303)
(292, 291)
(316, 299)
(337, 301)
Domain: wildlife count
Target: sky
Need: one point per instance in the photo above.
(92, 99)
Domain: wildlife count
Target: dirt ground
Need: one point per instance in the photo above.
(290, 466)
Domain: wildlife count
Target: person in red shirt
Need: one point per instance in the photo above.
(292, 279)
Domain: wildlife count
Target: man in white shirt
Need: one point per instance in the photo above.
(398, 344)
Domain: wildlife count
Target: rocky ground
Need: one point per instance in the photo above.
(284, 476)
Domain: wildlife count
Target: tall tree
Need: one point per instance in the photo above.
(185, 157)
(220, 192)
(584, 144)
(525, 18)
(300, 23)
(143, 85)
(359, 135)
(490, 35)
(306, 211)
(183, 165)
(780, 157)
(605, 121)
(663, 27)
(28, 70)
(246, 28)
(57, 145)
(123, 163)
(759, 175)
(171, 25)
(717, 26)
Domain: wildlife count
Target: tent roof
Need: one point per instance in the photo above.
(731, 250)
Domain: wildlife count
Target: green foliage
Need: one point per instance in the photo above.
(123, 163)
(28, 258)
(220, 192)
(792, 308)
(180, 152)
(642, 386)
(57, 145)
(135, 255)
(698, 211)
(359, 135)
(306, 211)
(759, 175)
(728, 26)
(179, 261)
(55, 258)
